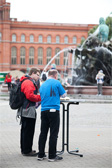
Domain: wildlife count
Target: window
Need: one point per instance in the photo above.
(49, 39)
(0, 36)
(74, 40)
(22, 55)
(13, 37)
(22, 38)
(13, 55)
(40, 39)
(57, 59)
(49, 52)
(57, 39)
(82, 38)
(40, 56)
(65, 58)
(31, 56)
(66, 40)
(31, 38)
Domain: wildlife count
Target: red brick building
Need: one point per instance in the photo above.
(27, 44)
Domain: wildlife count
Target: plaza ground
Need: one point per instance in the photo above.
(90, 132)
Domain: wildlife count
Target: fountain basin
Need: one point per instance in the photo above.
(88, 90)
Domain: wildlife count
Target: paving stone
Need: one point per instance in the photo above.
(90, 131)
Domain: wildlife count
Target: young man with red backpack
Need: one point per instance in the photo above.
(28, 111)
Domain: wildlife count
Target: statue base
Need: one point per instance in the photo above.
(88, 90)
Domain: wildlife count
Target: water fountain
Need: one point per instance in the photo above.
(95, 54)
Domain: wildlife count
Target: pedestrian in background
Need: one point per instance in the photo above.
(8, 80)
(45, 74)
(100, 81)
(50, 92)
(53, 66)
(17, 80)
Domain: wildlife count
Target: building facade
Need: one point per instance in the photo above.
(32, 44)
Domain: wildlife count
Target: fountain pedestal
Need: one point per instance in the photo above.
(88, 90)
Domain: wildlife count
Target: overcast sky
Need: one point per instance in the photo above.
(61, 11)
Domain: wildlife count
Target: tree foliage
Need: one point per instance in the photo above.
(109, 23)
(91, 31)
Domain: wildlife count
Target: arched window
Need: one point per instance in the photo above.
(49, 53)
(40, 39)
(31, 56)
(57, 39)
(74, 40)
(82, 38)
(22, 38)
(66, 39)
(31, 38)
(13, 55)
(57, 59)
(40, 56)
(65, 62)
(22, 55)
(49, 39)
(13, 37)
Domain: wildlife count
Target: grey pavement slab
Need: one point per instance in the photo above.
(90, 132)
(84, 98)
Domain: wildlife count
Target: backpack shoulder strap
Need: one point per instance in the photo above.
(30, 80)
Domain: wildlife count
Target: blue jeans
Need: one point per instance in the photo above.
(49, 120)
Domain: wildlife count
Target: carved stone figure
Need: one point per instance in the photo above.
(90, 62)
(102, 31)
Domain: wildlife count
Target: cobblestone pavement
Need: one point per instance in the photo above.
(90, 132)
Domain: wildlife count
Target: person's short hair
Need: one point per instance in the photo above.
(34, 70)
(52, 72)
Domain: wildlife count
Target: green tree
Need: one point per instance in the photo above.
(109, 23)
(91, 31)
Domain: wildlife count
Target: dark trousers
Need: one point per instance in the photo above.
(49, 120)
(27, 134)
(99, 88)
(9, 85)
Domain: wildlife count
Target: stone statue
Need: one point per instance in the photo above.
(102, 31)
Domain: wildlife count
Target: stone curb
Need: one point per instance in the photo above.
(86, 100)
